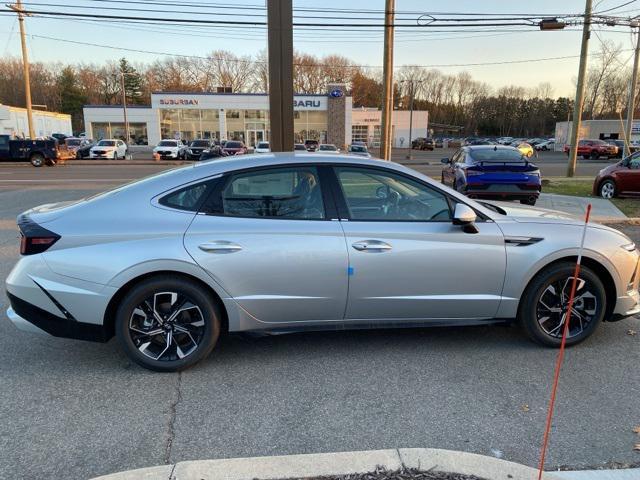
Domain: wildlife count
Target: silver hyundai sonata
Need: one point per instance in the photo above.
(279, 242)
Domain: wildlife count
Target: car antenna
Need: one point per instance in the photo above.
(495, 148)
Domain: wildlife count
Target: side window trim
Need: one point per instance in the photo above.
(215, 196)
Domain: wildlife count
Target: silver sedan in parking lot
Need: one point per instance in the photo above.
(285, 242)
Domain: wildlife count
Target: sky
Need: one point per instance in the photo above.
(450, 50)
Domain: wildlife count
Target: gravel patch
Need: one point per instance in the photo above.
(403, 474)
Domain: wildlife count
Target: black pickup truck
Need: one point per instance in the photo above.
(38, 152)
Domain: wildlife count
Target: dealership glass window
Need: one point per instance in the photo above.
(360, 133)
(137, 131)
(256, 114)
(190, 126)
(233, 114)
(169, 123)
(310, 125)
(100, 130)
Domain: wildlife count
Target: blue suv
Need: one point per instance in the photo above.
(494, 172)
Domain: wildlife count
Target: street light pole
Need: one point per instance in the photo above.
(577, 108)
(124, 108)
(632, 99)
(387, 82)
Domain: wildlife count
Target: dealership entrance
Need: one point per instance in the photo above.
(255, 136)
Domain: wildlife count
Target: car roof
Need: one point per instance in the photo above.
(473, 148)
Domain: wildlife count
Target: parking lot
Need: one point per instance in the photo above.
(74, 409)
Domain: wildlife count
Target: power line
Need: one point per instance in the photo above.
(614, 8)
(503, 62)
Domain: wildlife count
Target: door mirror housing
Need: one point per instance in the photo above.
(445, 161)
(465, 216)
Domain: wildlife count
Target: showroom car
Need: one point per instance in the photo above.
(109, 149)
(494, 172)
(170, 149)
(619, 180)
(233, 147)
(279, 243)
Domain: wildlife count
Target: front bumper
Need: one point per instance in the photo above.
(626, 306)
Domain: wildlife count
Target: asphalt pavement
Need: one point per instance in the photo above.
(71, 409)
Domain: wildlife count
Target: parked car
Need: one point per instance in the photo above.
(110, 149)
(84, 150)
(262, 147)
(170, 263)
(195, 148)
(619, 180)
(234, 147)
(73, 144)
(170, 149)
(526, 149)
(299, 147)
(546, 145)
(492, 171)
(359, 150)
(215, 151)
(59, 136)
(328, 148)
(312, 145)
(37, 152)
(439, 142)
(422, 143)
(594, 149)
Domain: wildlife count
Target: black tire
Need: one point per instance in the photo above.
(586, 157)
(526, 201)
(37, 160)
(607, 189)
(551, 335)
(199, 345)
(594, 156)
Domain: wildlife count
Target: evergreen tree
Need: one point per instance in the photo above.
(71, 97)
(133, 82)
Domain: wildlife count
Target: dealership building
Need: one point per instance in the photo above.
(328, 118)
(596, 129)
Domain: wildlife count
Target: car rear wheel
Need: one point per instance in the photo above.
(595, 155)
(167, 323)
(543, 307)
(37, 160)
(607, 189)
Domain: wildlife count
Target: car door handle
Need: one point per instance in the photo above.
(371, 246)
(219, 247)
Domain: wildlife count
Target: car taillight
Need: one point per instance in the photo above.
(34, 238)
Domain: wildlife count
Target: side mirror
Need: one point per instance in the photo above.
(465, 216)
(445, 161)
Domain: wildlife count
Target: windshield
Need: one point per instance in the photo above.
(168, 143)
(199, 143)
(263, 145)
(73, 142)
(358, 148)
(329, 148)
(106, 143)
(233, 145)
(299, 146)
(502, 155)
(311, 142)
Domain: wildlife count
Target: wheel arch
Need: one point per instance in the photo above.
(601, 270)
(112, 306)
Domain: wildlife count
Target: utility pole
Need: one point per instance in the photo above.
(577, 108)
(25, 66)
(280, 35)
(124, 108)
(632, 99)
(387, 82)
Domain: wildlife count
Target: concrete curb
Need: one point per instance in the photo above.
(342, 463)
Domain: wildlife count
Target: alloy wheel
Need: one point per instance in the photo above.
(552, 307)
(167, 326)
(607, 190)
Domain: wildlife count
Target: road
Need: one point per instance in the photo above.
(83, 176)
(71, 409)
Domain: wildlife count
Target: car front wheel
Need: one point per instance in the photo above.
(167, 323)
(544, 305)
(607, 189)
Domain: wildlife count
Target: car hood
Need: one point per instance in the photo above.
(165, 148)
(609, 169)
(100, 147)
(529, 214)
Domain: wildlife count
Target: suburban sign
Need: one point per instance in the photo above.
(307, 103)
(181, 101)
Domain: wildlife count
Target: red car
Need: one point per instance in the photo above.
(594, 149)
(233, 147)
(621, 179)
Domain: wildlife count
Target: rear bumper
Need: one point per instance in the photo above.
(30, 318)
(501, 191)
(193, 156)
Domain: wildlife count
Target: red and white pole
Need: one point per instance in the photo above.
(565, 331)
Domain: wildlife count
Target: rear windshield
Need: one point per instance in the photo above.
(233, 145)
(501, 155)
(199, 143)
(299, 146)
(311, 142)
(358, 148)
(73, 142)
(168, 143)
(263, 145)
(328, 148)
(106, 143)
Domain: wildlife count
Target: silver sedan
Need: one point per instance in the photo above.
(284, 242)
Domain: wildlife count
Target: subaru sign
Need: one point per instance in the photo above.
(336, 93)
